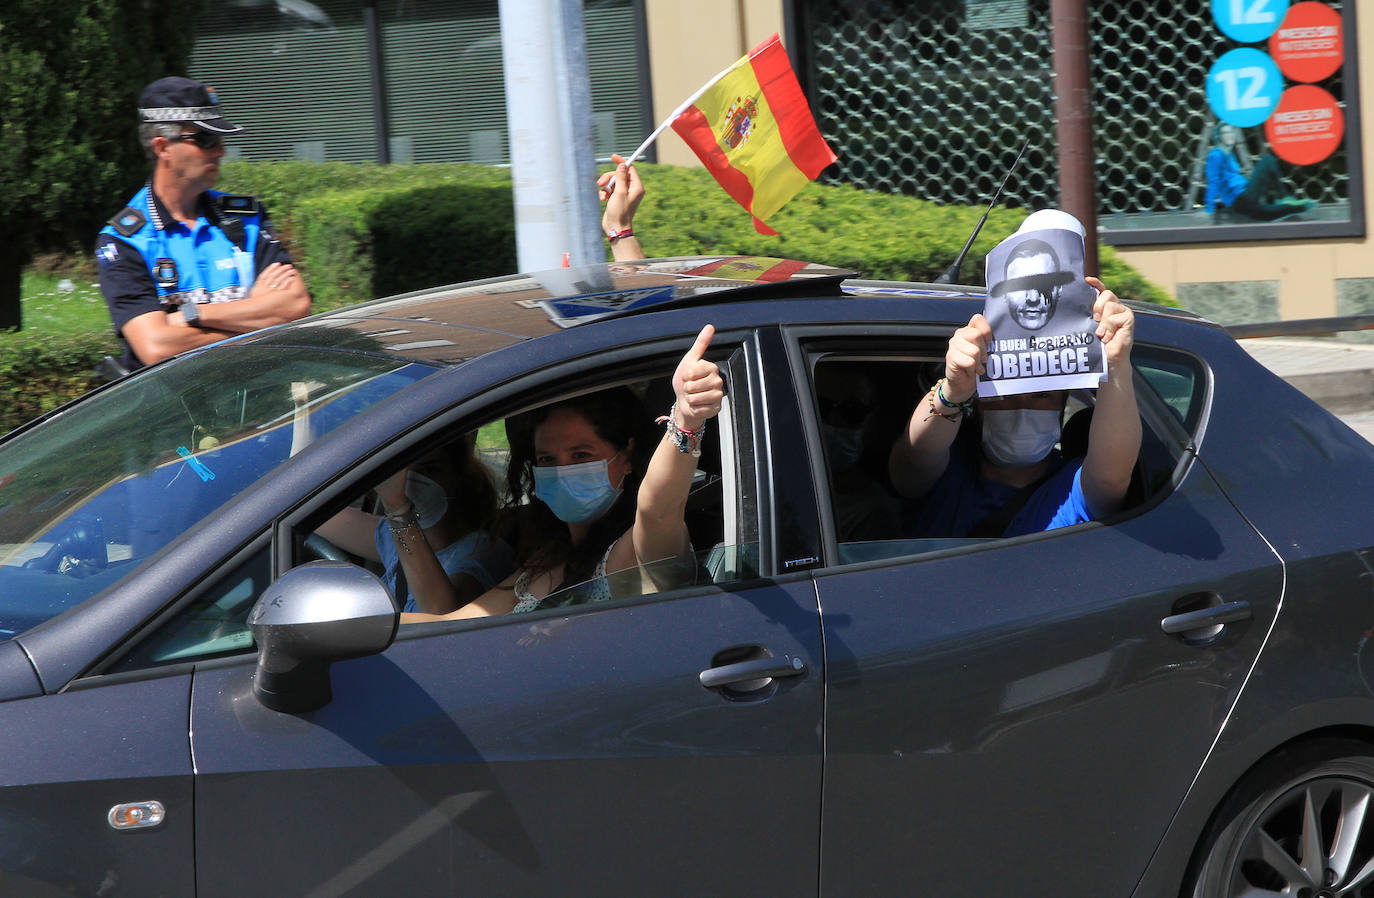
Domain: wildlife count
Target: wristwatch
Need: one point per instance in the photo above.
(190, 312)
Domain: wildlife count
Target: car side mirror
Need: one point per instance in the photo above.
(312, 616)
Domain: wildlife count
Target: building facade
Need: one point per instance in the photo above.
(931, 99)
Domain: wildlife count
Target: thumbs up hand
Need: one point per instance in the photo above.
(698, 384)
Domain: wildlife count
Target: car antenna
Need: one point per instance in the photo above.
(951, 274)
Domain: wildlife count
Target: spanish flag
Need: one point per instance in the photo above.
(752, 128)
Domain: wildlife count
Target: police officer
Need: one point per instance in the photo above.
(183, 265)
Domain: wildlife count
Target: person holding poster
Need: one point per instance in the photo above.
(1000, 474)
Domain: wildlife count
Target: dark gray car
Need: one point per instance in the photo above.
(201, 696)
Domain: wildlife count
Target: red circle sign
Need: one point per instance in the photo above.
(1308, 45)
(1307, 125)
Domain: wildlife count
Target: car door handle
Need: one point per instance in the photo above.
(754, 669)
(1225, 613)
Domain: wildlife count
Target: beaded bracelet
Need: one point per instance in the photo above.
(401, 521)
(965, 407)
(686, 441)
(960, 409)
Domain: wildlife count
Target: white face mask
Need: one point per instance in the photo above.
(429, 499)
(1016, 437)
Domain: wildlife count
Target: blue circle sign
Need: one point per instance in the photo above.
(1249, 21)
(1244, 86)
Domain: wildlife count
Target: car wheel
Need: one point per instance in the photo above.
(1302, 824)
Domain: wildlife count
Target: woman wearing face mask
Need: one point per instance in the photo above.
(606, 492)
(1013, 482)
(448, 502)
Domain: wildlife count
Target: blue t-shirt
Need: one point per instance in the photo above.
(486, 560)
(960, 500)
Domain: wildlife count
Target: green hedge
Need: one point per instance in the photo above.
(362, 231)
(39, 372)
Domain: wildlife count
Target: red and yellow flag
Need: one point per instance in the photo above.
(753, 130)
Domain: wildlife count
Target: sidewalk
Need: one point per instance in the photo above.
(1336, 374)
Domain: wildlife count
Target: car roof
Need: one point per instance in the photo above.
(453, 324)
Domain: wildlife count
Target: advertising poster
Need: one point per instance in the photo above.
(1272, 148)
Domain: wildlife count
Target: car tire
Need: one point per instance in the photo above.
(1314, 801)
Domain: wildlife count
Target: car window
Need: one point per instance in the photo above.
(88, 494)
(1177, 379)
(213, 624)
(863, 401)
(505, 536)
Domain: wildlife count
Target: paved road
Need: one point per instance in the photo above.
(1336, 373)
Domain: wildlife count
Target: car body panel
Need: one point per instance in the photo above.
(69, 759)
(550, 754)
(1044, 683)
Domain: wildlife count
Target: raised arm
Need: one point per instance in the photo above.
(1114, 437)
(659, 530)
(920, 453)
(622, 192)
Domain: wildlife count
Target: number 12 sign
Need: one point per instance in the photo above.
(1244, 86)
(1248, 21)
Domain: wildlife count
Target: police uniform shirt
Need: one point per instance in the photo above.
(150, 262)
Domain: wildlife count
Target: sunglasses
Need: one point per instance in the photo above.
(203, 139)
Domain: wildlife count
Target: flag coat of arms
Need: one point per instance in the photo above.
(753, 130)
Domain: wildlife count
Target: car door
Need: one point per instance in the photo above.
(562, 752)
(1010, 717)
(96, 788)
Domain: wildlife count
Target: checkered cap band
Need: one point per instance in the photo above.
(180, 113)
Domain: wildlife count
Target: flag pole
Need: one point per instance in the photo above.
(682, 108)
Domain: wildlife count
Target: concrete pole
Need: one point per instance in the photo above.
(549, 119)
(1073, 108)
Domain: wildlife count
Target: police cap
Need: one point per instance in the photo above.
(184, 100)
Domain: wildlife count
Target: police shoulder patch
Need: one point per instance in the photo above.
(238, 204)
(128, 221)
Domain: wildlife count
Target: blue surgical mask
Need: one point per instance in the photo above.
(429, 499)
(576, 494)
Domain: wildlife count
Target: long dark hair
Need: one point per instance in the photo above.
(542, 541)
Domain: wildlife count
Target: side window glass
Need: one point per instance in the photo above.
(1176, 378)
(212, 625)
(863, 403)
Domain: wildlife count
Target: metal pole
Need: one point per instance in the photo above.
(1073, 108)
(378, 72)
(549, 119)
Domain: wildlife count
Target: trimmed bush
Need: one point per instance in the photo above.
(39, 372)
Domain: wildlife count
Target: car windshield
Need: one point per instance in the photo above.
(88, 494)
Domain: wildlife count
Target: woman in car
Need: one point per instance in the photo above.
(605, 494)
(452, 501)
